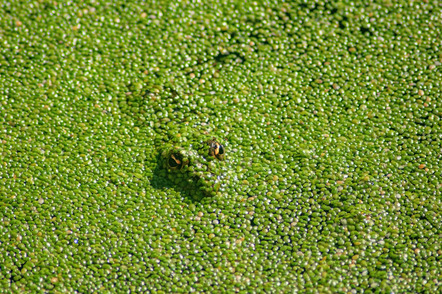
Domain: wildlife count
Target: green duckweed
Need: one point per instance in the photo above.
(329, 112)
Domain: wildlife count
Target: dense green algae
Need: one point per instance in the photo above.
(330, 112)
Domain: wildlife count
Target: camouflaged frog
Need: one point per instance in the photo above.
(198, 165)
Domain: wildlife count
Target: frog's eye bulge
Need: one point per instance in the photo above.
(216, 149)
(220, 151)
(174, 163)
(174, 158)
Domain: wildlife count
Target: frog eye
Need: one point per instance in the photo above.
(174, 162)
(213, 148)
(220, 151)
(216, 149)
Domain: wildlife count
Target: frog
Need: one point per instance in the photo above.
(189, 155)
(195, 164)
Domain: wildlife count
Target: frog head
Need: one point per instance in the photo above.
(196, 166)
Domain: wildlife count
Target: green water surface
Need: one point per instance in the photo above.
(330, 113)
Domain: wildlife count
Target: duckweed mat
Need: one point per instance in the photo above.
(220, 146)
